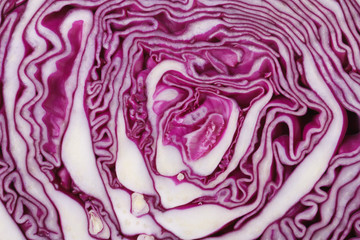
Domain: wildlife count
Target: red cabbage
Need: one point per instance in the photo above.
(180, 119)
